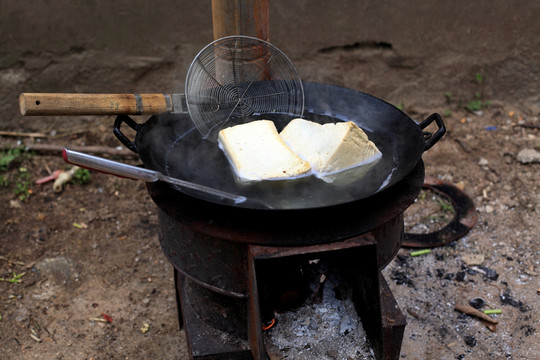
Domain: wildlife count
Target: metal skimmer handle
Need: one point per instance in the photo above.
(134, 172)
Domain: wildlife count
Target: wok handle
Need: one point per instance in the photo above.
(431, 140)
(93, 104)
(120, 135)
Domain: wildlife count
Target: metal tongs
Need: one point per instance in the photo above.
(137, 173)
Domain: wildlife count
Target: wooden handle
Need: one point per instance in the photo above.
(93, 104)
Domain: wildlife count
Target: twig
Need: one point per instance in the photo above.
(413, 313)
(490, 326)
(496, 287)
(98, 320)
(527, 126)
(35, 337)
(22, 134)
(463, 145)
(76, 131)
(469, 310)
(492, 311)
(54, 148)
(420, 252)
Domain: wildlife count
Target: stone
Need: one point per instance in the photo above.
(21, 314)
(59, 271)
(528, 156)
(472, 259)
(483, 162)
(477, 303)
(13, 77)
(470, 340)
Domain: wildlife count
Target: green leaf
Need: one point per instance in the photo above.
(479, 78)
(474, 105)
(81, 176)
(448, 96)
(5, 160)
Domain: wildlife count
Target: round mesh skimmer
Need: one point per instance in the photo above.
(238, 77)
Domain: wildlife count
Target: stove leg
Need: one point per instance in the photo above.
(255, 335)
(381, 317)
(178, 302)
(204, 341)
(393, 323)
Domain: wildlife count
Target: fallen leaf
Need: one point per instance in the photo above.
(80, 225)
(34, 337)
(145, 328)
(106, 317)
(98, 320)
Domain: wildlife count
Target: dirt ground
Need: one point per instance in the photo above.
(69, 260)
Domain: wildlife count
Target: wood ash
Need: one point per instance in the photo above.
(325, 327)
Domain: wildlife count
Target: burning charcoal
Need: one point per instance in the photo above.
(449, 276)
(487, 272)
(443, 331)
(401, 259)
(470, 340)
(401, 278)
(527, 330)
(477, 303)
(490, 273)
(460, 276)
(507, 299)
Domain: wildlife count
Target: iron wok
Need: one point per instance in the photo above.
(170, 144)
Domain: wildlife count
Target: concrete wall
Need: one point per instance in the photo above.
(389, 48)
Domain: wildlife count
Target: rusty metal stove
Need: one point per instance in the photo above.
(220, 254)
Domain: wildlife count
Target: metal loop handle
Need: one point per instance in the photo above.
(123, 138)
(463, 221)
(431, 140)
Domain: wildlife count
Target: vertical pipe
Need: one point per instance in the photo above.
(240, 17)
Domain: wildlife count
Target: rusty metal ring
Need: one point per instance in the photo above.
(461, 224)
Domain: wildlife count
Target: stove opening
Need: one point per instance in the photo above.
(311, 303)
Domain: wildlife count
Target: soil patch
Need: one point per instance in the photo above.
(83, 275)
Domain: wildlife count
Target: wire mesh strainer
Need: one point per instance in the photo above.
(238, 77)
(232, 78)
